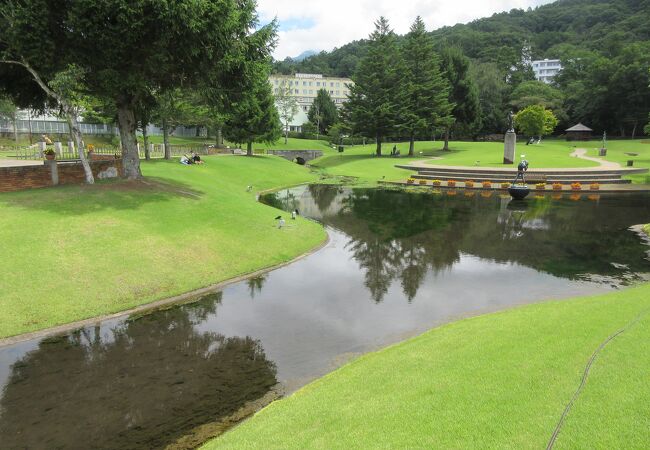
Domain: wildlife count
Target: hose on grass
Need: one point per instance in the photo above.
(585, 375)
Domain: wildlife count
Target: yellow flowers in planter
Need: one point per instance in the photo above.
(469, 183)
(557, 186)
(410, 181)
(436, 182)
(540, 186)
(505, 185)
(594, 186)
(576, 186)
(423, 182)
(486, 185)
(451, 183)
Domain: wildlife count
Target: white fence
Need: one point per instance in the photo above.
(38, 127)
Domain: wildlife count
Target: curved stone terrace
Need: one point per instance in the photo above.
(609, 179)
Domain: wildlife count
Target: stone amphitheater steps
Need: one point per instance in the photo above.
(584, 179)
(506, 175)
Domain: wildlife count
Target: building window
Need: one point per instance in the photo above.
(297, 91)
(311, 92)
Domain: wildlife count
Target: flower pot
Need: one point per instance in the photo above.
(50, 157)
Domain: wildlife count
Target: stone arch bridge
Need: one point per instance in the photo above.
(301, 157)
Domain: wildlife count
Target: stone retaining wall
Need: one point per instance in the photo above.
(52, 173)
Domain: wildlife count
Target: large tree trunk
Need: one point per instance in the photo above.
(412, 145)
(75, 132)
(168, 149)
(446, 146)
(249, 149)
(15, 117)
(634, 130)
(145, 139)
(130, 157)
(378, 151)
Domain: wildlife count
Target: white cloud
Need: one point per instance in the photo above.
(333, 23)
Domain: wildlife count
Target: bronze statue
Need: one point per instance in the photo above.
(511, 122)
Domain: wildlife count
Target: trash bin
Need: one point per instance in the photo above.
(340, 149)
(630, 162)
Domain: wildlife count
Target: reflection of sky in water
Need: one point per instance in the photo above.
(308, 313)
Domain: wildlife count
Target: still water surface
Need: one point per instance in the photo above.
(397, 264)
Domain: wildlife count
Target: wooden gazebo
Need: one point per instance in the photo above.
(578, 132)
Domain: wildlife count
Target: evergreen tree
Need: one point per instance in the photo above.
(374, 108)
(427, 91)
(463, 94)
(323, 112)
(253, 116)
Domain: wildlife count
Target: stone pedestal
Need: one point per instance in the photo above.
(58, 148)
(602, 152)
(41, 149)
(510, 146)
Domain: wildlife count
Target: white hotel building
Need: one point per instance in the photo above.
(546, 69)
(305, 87)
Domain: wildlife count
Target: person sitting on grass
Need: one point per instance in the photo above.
(196, 158)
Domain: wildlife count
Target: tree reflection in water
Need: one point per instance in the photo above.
(142, 384)
(399, 236)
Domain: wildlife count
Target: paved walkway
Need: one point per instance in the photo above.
(581, 153)
(19, 163)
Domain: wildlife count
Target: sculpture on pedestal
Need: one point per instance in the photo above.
(510, 142)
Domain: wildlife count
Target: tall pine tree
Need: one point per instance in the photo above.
(464, 93)
(427, 99)
(375, 107)
(323, 112)
(253, 116)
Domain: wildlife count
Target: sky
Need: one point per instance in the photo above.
(325, 24)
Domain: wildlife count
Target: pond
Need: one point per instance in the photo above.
(396, 265)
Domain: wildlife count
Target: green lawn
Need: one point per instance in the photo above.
(550, 153)
(617, 149)
(75, 252)
(360, 161)
(496, 381)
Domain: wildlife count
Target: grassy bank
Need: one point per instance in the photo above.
(495, 381)
(360, 162)
(76, 252)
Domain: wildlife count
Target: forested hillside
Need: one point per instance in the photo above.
(550, 31)
(604, 46)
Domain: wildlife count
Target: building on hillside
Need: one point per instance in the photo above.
(578, 132)
(546, 69)
(305, 87)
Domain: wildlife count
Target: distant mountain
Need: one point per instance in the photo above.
(304, 55)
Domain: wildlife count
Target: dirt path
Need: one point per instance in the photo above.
(581, 153)
(18, 163)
